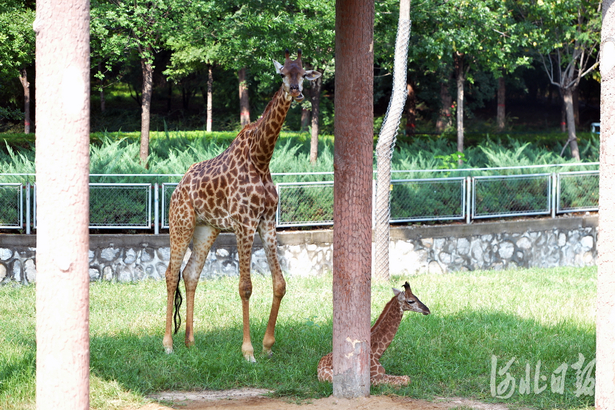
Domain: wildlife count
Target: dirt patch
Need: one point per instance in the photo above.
(254, 399)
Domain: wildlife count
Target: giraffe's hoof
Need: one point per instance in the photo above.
(268, 353)
(168, 350)
(250, 358)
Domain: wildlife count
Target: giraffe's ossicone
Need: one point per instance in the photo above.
(382, 333)
(232, 192)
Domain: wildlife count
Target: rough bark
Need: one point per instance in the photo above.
(501, 112)
(62, 166)
(352, 236)
(23, 78)
(244, 99)
(210, 97)
(446, 100)
(316, 87)
(605, 314)
(411, 109)
(146, 105)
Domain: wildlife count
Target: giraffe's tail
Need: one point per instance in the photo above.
(177, 319)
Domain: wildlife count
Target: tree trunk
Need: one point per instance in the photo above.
(411, 109)
(62, 167)
(444, 119)
(352, 236)
(305, 119)
(101, 91)
(316, 87)
(210, 98)
(575, 104)
(146, 103)
(23, 78)
(244, 100)
(563, 115)
(460, 98)
(605, 314)
(501, 112)
(572, 131)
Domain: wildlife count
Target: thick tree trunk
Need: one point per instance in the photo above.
(146, 104)
(446, 100)
(605, 314)
(572, 131)
(316, 87)
(352, 236)
(23, 78)
(460, 99)
(501, 112)
(210, 97)
(411, 109)
(244, 99)
(62, 167)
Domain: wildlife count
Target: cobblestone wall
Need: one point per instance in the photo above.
(433, 249)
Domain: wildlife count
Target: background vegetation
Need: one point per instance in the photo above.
(474, 44)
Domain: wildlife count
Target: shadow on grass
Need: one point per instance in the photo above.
(443, 355)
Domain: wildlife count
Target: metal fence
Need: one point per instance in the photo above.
(432, 195)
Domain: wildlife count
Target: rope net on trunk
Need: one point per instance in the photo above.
(384, 150)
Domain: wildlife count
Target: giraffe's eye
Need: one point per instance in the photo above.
(281, 75)
(410, 301)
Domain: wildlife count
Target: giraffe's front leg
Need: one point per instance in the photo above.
(268, 235)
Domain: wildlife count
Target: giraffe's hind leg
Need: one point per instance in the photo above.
(268, 235)
(203, 238)
(180, 239)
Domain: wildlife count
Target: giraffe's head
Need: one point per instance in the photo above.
(293, 74)
(408, 301)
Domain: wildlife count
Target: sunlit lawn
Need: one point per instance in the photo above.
(536, 316)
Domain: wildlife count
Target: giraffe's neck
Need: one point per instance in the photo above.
(266, 130)
(385, 328)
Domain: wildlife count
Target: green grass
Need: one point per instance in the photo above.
(533, 315)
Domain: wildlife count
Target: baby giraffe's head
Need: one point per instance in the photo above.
(408, 301)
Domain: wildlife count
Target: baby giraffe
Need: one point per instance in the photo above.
(382, 334)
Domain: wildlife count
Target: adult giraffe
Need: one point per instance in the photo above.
(232, 192)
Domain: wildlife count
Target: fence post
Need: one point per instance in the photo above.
(27, 208)
(156, 209)
(554, 190)
(468, 200)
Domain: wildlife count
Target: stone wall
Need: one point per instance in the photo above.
(565, 241)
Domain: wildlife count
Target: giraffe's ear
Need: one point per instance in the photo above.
(278, 67)
(396, 291)
(311, 75)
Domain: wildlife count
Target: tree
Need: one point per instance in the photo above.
(195, 46)
(565, 37)
(352, 236)
(255, 32)
(141, 26)
(62, 177)
(605, 319)
(463, 37)
(17, 49)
